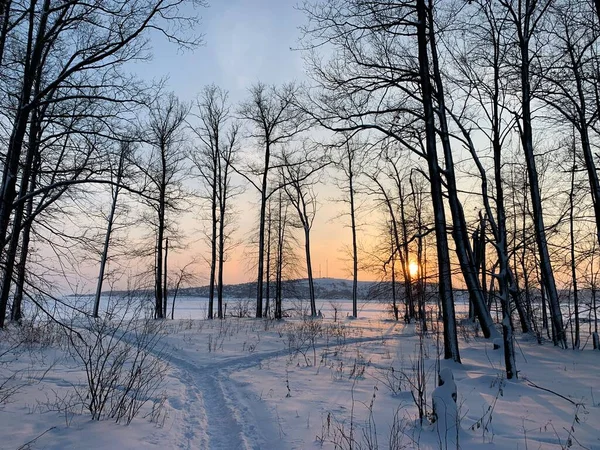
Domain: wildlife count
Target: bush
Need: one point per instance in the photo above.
(123, 363)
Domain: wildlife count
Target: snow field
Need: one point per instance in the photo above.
(303, 384)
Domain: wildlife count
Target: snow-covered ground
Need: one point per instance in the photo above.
(303, 384)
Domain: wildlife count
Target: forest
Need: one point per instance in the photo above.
(456, 141)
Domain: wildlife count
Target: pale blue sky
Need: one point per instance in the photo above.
(245, 41)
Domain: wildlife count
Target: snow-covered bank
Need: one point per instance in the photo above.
(299, 384)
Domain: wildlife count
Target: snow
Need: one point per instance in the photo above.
(303, 384)
(445, 411)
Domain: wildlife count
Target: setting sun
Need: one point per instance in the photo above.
(413, 269)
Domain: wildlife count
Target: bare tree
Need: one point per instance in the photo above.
(163, 169)
(213, 160)
(299, 172)
(349, 159)
(380, 80)
(275, 120)
(124, 155)
(390, 182)
(63, 57)
(525, 18)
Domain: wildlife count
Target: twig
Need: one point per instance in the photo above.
(521, 350)
(532, 384)
(26, 444)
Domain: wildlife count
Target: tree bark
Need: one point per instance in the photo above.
(459, 229)
(165, 278)
(559, 337)
(445, 278)
(107, 237)
(576, 341)
(354, 238)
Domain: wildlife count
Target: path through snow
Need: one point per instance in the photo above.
(220, 413)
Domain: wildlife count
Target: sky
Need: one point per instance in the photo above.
(246, 41)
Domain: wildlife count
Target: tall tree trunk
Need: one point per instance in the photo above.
(33, 60)
(222, 212)
(261, 234)
(354, 242)
(309, 272)
(268, 262)
(213, 237)
(525, 315)
(445, 277)
(17, 308)
(418, 206)
(502, 248)
(459, 228)
(109, 227)
(165, 274)
(404, 249)
(158, 278)
(15, 145)
(576, 341)
(393, 268)
(11, 254)
(280, 257)
(559, 337)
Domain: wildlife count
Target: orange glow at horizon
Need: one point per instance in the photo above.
(413, 269)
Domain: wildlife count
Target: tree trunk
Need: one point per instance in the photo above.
(459, 229)
(268, 264)
(504, 278)
(158, 277)
(404, 249)
(165, 273)
(109, 227)
(17, 310)
(445, 276)
(309, 272)
(13, 155)
(354, 244)
(279, 268)
(15, 143)
(559, 337)
(393, 268)
(213, 237)
(261, 234)
(222, 212)
(11, 254)
(576, 341)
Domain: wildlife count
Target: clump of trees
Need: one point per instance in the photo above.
(465, 129)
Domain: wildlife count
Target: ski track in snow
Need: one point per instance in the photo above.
(226, 416)
(193, 418)
(219, 413)
(207, 421)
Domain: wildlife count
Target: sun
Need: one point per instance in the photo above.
(413, 269)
